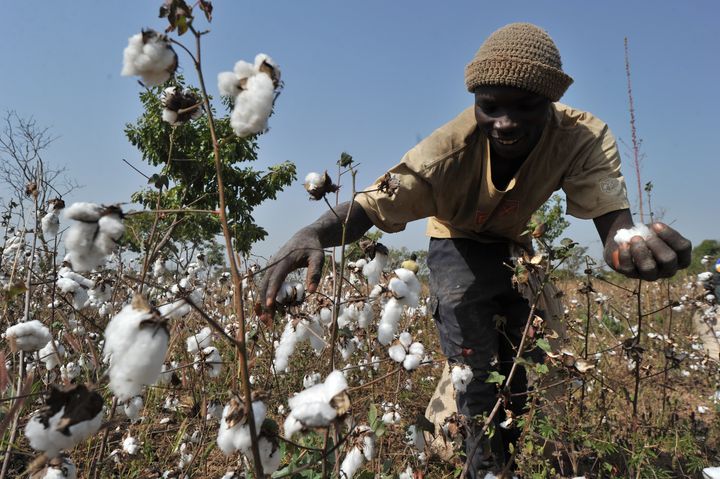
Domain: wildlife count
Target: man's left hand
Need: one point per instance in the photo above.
(659, 256)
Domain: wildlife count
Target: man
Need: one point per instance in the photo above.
(479, 178)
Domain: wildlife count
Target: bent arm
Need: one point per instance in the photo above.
(306, 248)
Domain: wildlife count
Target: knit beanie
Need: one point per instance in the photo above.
(520, 55)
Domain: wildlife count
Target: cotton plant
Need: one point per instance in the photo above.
(319, 405)
(136, 340)
(93, 235)
(150, 56)
(252, 86)
(28, 336)
(318, 185)
(70, 415)
(407, 352)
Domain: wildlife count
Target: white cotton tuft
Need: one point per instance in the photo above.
(64, 470)
(461, 376)
(28, 336)
(412, 361)
(50, 225)
(133, 407)
(374, 268)
(237, 437)
(365, 316)
(405, 339)
(288, 342)
(137, 350)
(417, 348)
(270, 455)
(624, 235)
(311, 407)
(131, 445)
(253, 106)
(209, 359)
(389, 321)
(93, 235)
(51, 441)
(397, 353)
(352, 462)
(398, 288)
(200, 340)
(149, 56)
(50, 355)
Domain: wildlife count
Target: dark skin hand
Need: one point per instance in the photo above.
(306, 249)
(658, 257)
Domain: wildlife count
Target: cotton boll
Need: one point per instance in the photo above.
(624, 235)
(150, 56)
(133, 407)
(398, 288)
(461, 376)
(386, 333)
(236, 436)
(369, 446)
(397, 353)
(60, 467)
(136, 340)
(417, 349)
(326, 316)
(52, 440)
(291, 426)
(169, 116)
(50, 225)
(389, 321)
(49, 356)
(351, 463)
(200, 340)
(374, 268)
(84, 212)
(391, 417)
(253, 106)
(288, 342)
(270, 455)
(131, 445)
(405, 339)
(209, 359)
(365, 316)
(28, 336)
(412, 361)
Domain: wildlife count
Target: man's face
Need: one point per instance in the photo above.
(513, 119)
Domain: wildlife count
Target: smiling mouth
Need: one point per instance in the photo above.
(507, 141)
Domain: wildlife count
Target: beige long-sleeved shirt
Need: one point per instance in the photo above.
(447, 178)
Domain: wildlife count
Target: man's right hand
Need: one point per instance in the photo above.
(302, 250)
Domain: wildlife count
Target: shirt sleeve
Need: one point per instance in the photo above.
(412, 200)
(594, 184)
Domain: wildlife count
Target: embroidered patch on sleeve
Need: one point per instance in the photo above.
(610, 186)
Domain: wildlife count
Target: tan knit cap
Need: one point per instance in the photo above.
(520, 55)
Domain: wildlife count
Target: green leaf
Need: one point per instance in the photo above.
(345, 160)
(543, 344)
(495, 377)
(542, 369)
(372, 415)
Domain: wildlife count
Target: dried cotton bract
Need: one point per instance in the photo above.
(252, 86)
(136, 340)
(149, 56)
(94, 234)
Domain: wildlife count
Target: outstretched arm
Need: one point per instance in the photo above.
(660, 256)
(306, 248)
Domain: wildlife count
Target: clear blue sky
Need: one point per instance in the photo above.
(372, 77)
